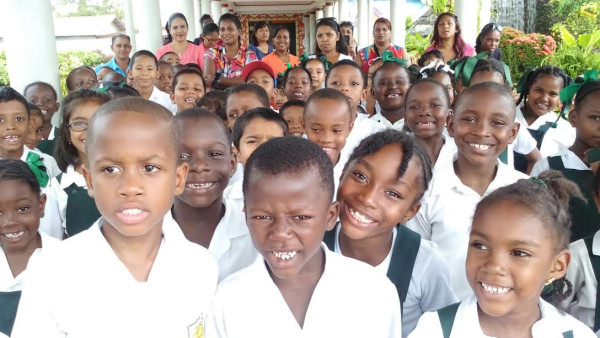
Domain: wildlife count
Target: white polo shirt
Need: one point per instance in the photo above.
(363, 128)
(446, 215)
(234, 194)
(379, 118)
(581, 304)
(447, 154)
(429, 288)
(231, 244)
(569, 160)
(563, 136)
(350, 300)
(523, 144)
(163, 99)
(466, 323)
(84, 290)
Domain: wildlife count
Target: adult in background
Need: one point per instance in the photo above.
(447, 39)
(205, 19)
(121, 46)
(176, 41)
(489, 40)
(347, 29)
(382, 38)
(223, 65)
(281, 57)
(260, 40)
(330, 41)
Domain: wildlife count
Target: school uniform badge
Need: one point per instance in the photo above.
(196, 330)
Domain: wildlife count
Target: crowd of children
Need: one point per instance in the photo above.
(338, 199)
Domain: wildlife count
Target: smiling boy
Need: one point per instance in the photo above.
(124, 276)
(299, 287)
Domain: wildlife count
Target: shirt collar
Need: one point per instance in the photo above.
(596, 244)
(70, 177)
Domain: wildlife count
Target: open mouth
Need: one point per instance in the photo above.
(494, 289)
(426, 123)
(328, 150)
(14, 235)
(298, 94)
(284, 255)
(132, 215)
(361, 218)
(11, 138)
(200, 186)
(392, 95)
(483, 147)
(190, 100)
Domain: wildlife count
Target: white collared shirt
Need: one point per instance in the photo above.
(231, 244)
(363, 128)
(446, 155)
(163, 99)
(84, 290)
(569, 160)
(581, 303)
(350, 300)
(379, 118)
(523, 144)
(10, 283)
(466, 323)
(234, 194)
(446, 214)
(429, 288)
(563, 136)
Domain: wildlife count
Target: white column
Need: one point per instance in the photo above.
(307, 33)
(371, 21)
(148, 26)
(398, 17)
(485, 13)
(336, 10)
(328, 9)
(30, 43)
(207, 8)
(343, 9)
(363, 23)
(129, 24)
(186, 7)
(216, 10)
(197, 15)
(319, 13)
(313, 33)
(467, 16)
(224, 8)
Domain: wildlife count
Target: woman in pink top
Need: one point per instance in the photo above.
(446, 38)
(177, 30)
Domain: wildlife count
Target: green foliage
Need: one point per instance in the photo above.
(4, 81)
(583, 20)
(93, 8)
(73, 59)
(576, 55)
(521, 51)
(416, 44)
(440, 6)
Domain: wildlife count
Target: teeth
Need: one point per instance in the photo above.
(298, 94)
(494, 289)
(480, 146)
(131, 211)
(393, 95)
(14, 235)
(328, 150)
(200, 185)
(299, 134)
(11, 138)
(190, 100)
(285, 255)
(425, 123)
(44, 112)
(360, 217)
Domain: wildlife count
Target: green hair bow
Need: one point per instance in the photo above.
(567, 94)
(465, 67)
(304, 58)
(282, 74)
(388, 56)
(37, 166)
(524, 79)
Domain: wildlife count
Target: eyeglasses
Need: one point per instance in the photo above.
(498, 28)
(78, 126)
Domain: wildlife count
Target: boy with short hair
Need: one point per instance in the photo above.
(243, 97)
(299, 287)
(43, 95)
(293, 113)
(130, 274)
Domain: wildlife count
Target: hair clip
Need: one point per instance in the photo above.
(539, 181)
(567, 94)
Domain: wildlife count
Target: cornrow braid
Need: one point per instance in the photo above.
(410, 148)
(585, 90)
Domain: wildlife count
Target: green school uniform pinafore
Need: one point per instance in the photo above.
(538, 136)
(9, 302)
(402, 262)
(448, 314)
(595, 260)
(47, 146)
(584, 216)
(81, 209)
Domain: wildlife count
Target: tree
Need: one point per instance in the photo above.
(88, 8)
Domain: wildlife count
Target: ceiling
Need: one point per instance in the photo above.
(274, 6)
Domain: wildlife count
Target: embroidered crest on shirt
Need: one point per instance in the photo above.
(196, 330)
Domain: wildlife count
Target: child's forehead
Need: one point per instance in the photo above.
(12, 107)
(346, 71)
(39, 90)
(297, 72)
(494, 101)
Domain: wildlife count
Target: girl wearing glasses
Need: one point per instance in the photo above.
(489, 40)
(447, 39)
(79, 209)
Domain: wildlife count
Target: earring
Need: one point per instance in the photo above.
(548, 286)
(549, 281)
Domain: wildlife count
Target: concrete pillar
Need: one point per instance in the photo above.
(313, 32)
(224, 8)
(207, 8)
(328, 9)
(485, 13)
(371, 21)
(398, 15)
(318, 13)
(336, 10)
(129, 24)
(186, 7)
(197, 15)
(363, 23)
(467, 16)
(343, 8)
(307, 33)
(30, 43)
(148, 26)
(216, 9)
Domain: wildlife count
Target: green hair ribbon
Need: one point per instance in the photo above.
(282, 74)
(539, 181)
(304, 58)
(388, 56)
(568, 93)
(524, 79)
(37, 166)
(464, 67)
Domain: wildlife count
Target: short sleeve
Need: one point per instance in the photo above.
(540, 167)
(524, 143)
(429, 326)
(420, 224)
(250, 56)
(436, 286)
(212, 53)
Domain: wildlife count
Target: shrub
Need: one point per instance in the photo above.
(416, 45)
(582, 20)
(576, 55)
(521, 51)
(4, 81)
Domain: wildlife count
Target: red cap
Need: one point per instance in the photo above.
(254, 65)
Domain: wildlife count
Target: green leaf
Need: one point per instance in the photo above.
(567, 38)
